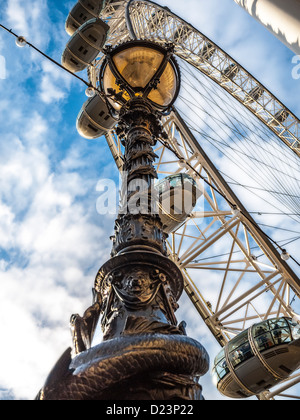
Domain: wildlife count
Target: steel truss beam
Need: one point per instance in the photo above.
(153, 22)
(247, 283)
(233, 274)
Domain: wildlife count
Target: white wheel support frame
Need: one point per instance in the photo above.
(249, 290)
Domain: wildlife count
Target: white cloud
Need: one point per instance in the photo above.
(17, 16)
(6, 225)
(29, 19)
(51, 240)
(51, 249)
(55, 83)
(49, 246)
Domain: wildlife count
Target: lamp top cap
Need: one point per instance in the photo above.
(163, 47)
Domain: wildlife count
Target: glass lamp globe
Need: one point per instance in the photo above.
(21, 42)
(90, 92)
(141, 69)
(285, 256)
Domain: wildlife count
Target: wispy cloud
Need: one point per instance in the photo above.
(52, 241)
(55, 84)
(30, 19)
(48, 244)
(49, 237)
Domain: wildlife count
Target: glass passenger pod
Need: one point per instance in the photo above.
(208, 51)
(255, 94)
(178, 195)
(94, 119)
(258, 359)
(230, 72)
(82, 12)
(280, 118)
(85, 45)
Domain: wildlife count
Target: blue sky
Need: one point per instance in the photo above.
(52, 241)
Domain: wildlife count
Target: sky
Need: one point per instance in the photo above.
(52, 240)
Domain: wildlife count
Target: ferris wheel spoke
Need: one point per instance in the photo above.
(245, 241)
(248, 296)
(288, 384)
(233, 275)
(151, 21)
(242, 282)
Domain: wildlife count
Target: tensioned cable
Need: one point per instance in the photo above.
(290, 215)
(272, 214)
(50, 58)
(236, 130)
(284, 191)
(258, 188)
(272, 171)
(281, 213)
(224, 196)
(277, 245)
(192, 73)
(258, 127)
(226, 254)
(213, 140)
(165, 144)
(278, 228)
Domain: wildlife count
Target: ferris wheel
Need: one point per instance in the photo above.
(235, 275)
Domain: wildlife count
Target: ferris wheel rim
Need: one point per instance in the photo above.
(280, 123)
(277, 286)
(129, 26)
(293, 144)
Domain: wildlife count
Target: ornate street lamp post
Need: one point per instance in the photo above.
(145, 354)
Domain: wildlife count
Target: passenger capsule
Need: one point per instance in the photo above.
(280, 118)
(85, 45)
(255, 94)
(230, 72)
(82, 12)
(208, 51)
(258, 359)
(178, 195)
(94, 119)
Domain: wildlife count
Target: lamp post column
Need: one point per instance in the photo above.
(136, 280)
(139, 128)
(139, 285)
(145, 354)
